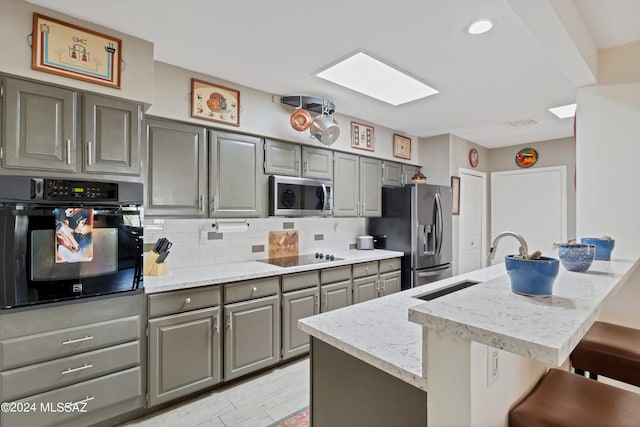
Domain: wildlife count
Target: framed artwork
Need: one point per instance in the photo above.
(216, 103)
(455, 187)
(75, 52)
(362, 136)
(401, 146)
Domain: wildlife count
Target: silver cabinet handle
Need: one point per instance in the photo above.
(362, 208)
(80, 368)
(89, 153)
(228, 324)
(215, 325)
(306, 166)
(325, 303)
(297, 165)
(187, 300)
(316, 300)
(377, 282)
(382, 285)
(68, 143)
(357, 208)
(73, 341)
(201, 202)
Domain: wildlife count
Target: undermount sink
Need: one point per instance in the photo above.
(446, 291)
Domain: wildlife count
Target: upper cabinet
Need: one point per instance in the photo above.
(284, 158)
(391, 174)
(176, 178)
(237, 185)
(41, 124)
(408, 171)
(357, 186)
(111, 130)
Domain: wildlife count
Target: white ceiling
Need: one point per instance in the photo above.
(534, 58)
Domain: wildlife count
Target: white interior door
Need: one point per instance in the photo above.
(532, 203)
(472, 235)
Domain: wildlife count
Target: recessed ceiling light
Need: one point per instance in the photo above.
(564, 111)
(367, 75)
(479, 27)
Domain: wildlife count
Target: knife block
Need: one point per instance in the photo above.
(152, 268)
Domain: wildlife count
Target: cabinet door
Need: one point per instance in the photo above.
(111, 135)
(317, 163)
(336, 295)
(236, 181)
(391, 174)
(184, 354)
(345, 185)
(370, 187)
(365, 288)
(281, 158)
(176, 183)
(389, 283)
(252, 336)
(408, 171)
(295, 306)
(40, 127)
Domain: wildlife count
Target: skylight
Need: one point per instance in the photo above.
(376, 79)
(564, 111)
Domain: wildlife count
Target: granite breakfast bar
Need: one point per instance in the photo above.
(434, 361)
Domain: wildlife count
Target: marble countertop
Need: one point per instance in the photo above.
(379, 332)
(387, 332)
(541, 328)
(183, 278)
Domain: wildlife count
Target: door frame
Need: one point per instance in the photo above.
(483, 220)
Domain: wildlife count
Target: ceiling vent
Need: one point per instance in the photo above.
(523, 123)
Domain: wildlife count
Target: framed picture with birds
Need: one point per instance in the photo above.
(216, 103)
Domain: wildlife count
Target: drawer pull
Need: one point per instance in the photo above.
(73, 341)
(80, 368)
(187, 300)
(254, 289)
(85, 400)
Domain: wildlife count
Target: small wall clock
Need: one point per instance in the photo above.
(474, 157)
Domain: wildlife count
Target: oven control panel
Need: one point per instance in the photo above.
(74, 190)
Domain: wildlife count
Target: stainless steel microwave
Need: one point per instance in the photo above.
(293, 196)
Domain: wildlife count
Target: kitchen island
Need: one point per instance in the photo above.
(470, 354)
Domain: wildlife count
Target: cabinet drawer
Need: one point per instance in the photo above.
(293, 282)
(335, 274)
(68, 370)
(365, 269)
(387, 265)
(251, 289)
(31, 349)
(86, 398)
(184, 300)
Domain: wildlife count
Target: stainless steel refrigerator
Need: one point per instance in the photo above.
(416, 220)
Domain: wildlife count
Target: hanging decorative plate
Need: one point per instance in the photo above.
(526, 157)
(474, 157)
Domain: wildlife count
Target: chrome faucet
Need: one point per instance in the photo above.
(492, 249)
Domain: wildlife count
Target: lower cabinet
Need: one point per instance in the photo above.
(300, 298)
(365, 288)
(184, 354)
(375, 279)
(252, 336)
(335, 295)
(389, 283)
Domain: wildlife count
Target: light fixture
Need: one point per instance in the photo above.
(564, 111)
(480, 26)
(372, 77)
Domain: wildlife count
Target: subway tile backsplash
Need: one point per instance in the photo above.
(194, 246)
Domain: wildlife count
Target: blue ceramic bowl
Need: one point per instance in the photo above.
(576, 257)
(603, 247)
(533, 277)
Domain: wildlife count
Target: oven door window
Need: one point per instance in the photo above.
(298, 197)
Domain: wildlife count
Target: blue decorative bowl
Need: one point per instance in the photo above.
(576, 257)
(603, 247)
(532, 277)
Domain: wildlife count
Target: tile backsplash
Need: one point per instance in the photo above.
(196, 242)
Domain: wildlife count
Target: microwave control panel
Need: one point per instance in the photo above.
(73, 190)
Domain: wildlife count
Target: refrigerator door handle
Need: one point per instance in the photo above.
(434, 272)
(439, 225)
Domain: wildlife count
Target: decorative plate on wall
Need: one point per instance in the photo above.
(474, 157)
(526, 157)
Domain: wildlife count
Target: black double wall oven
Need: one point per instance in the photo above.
(67, 239)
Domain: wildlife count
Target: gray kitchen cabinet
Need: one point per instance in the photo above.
(184, 354)
(112, 135)
(40, 125)
(335, 295)
(389, 283)
(87, 352)
(408, 171)
(375, 279)
(176, 179)
(391, 174)
(295, 306)
(365, 288)
(283, 158)
(237, 184)
(357, 186)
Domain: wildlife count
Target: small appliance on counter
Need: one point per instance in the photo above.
(380, 241)
(155, 264)
(364, 242)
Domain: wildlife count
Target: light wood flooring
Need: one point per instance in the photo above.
(255, 402)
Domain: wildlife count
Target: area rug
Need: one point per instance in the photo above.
(300, 418)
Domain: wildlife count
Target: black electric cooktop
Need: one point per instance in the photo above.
(294, 261)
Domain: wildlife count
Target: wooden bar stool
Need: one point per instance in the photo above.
(564, 399)
(609, 350)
